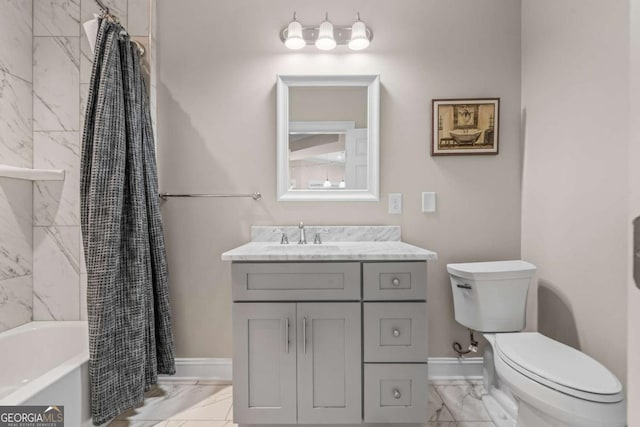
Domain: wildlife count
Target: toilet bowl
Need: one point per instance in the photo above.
(531, 380)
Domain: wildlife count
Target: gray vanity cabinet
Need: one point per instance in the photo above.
(329, 342)
(264, 363)
(329, 363)
(296, 360)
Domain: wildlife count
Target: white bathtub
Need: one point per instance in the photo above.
(47, 363)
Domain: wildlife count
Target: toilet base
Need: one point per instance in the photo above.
(528, 416)
(507, 401)
(497, 413)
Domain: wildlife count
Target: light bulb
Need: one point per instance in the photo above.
(325, 40)
(359, 39)
(294, 38)
(327, 184)
(342, 184)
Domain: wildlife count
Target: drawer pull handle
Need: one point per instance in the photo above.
(304, 335)
(286, 342)
(396, 332)
(395, 281)
(396, 393)
(464, 286)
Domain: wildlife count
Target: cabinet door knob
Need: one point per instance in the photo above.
(396, 393)
(395, 281)
(396, 332)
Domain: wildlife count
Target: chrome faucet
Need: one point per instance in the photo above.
(303, 235)
(284, 240)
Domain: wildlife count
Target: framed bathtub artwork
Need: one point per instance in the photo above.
(465, 126)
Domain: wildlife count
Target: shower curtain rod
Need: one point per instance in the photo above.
(254, 196)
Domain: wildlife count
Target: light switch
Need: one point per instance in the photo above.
(395, 203)
(429, 202)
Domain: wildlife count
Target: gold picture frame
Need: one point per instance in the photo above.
(465, 126)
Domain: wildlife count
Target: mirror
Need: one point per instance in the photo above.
(328, 138)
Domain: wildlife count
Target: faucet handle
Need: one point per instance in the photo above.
(317, 240)
(284, 240)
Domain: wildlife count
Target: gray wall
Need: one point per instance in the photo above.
(574, 209)
(217, 68)
(633, 302)
(16, 148)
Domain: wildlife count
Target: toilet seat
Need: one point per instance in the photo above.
(558, 367)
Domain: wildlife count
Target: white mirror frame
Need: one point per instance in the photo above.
(372, 83)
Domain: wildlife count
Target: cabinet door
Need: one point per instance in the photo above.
(329, 363)
(264, 363)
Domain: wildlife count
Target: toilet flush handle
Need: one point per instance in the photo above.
(464, 286)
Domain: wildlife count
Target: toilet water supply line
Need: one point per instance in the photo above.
(473, 346)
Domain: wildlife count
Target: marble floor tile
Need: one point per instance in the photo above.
(57, 202)
(437, 410)
(462, 424)
(15, 33)
(175, 405)
(56, 83)
(16, 303)
(56, 17)
(464, 401)
(173, 402)
(196, 423)
(16, 146)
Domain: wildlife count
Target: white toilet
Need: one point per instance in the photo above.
(532, 380)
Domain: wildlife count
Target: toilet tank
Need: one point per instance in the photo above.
(491, 296)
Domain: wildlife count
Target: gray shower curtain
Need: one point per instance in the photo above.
(130, 338)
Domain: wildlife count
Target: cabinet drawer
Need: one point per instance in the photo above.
(395, 281)
(395, 332)
(395, 393)
(295, 281)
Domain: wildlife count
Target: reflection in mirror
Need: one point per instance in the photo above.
(327, 155)
(330, 149)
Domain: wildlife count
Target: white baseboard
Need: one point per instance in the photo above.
(218, 370)
(452, 368)
(200, 369)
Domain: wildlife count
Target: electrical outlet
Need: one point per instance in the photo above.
(395, 203)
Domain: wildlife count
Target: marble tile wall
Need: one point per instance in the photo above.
(62, 63)
(16, 149)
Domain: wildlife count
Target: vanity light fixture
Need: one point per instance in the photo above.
(326, 36)
(294, 38)
(325, 40)
(359, 39)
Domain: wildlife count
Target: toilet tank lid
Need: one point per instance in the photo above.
(514, 269)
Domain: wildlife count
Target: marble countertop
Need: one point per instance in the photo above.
(374, 243)
(329, 251)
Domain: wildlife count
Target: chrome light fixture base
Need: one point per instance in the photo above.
(343, 35)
